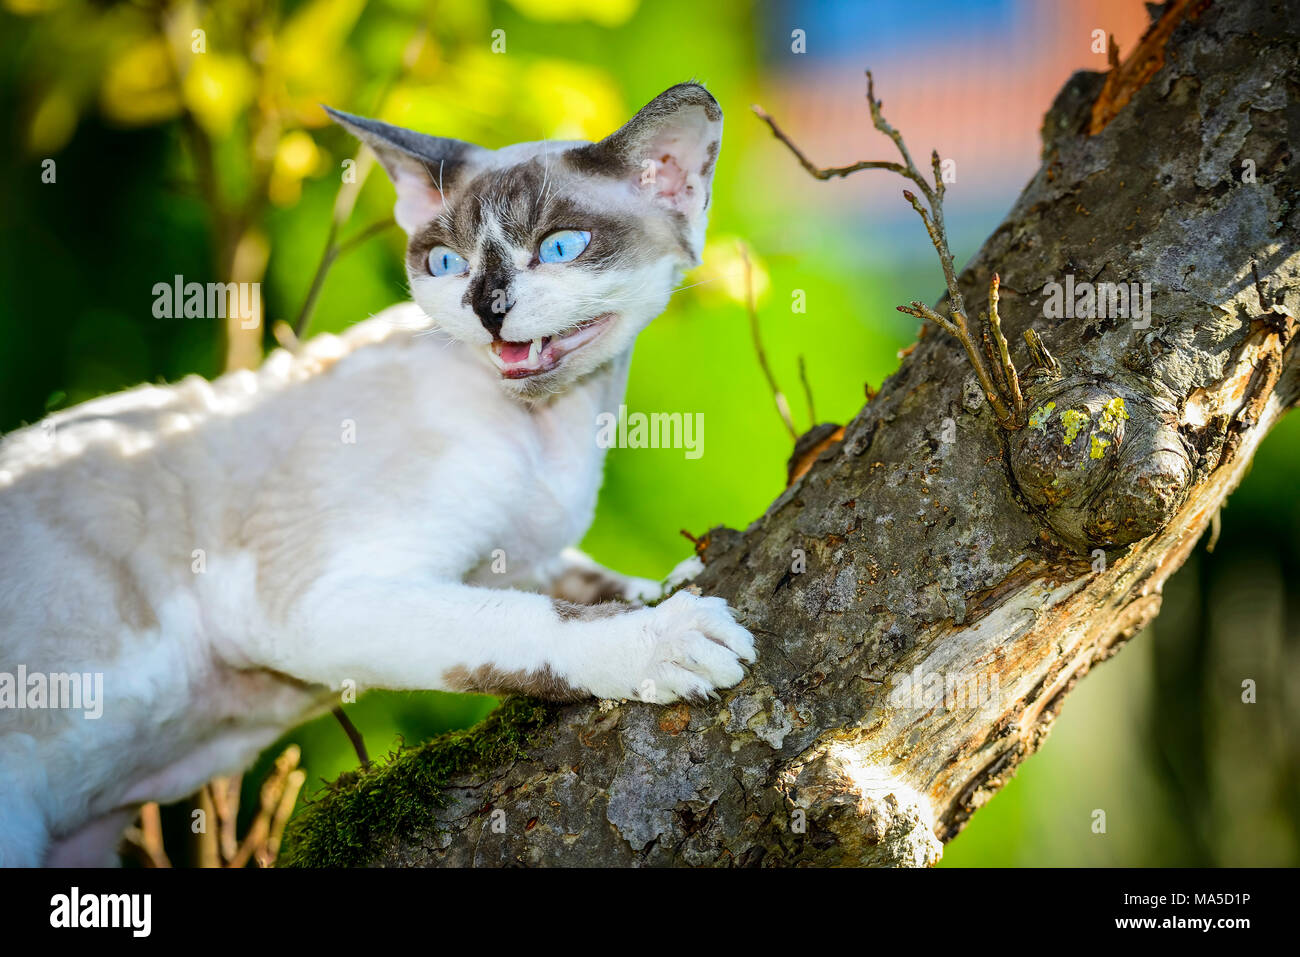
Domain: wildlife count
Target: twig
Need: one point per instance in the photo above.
(358, 742)
(1043, 360)
(782, 406)
(1216, 526)
(207, 851)
(267, 854)
(818, 172)
(346, 197)
(225, 799)
(1001, 385)
(146, 839)
(1009, 377)
(274, 790)
(998, 374)
(807, 392)
(333, 250)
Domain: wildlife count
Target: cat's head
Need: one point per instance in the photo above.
(548, 258)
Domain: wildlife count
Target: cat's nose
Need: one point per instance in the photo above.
(491, 311)
(489, 292)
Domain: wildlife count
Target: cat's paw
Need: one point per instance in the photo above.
(685, 648)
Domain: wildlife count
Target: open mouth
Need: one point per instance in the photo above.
(519, 360)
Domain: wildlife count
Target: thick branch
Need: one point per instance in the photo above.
(992, 567)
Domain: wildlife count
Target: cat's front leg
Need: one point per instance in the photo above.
(411, 633)
(576, 577)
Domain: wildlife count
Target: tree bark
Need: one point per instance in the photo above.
(928, 592)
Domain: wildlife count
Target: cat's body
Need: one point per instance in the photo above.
(390, 508)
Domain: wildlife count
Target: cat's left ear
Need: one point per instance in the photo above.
(668, 151)
(425, 170)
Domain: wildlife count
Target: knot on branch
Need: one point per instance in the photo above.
(858, 811)
(1099, 462)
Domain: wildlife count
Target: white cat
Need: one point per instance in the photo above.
(226, 554)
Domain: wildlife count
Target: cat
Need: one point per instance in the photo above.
(394, 507)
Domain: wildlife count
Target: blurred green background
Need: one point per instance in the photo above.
(218, 163)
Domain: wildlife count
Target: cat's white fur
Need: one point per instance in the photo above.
(230, 554)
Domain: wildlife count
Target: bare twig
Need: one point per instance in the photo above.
(782, 406)
(818, 172)
(1008, 374)
(333, 250)
(266, 855)
(146, 838)
(993, 367)
(807, 393)
(358, 742)
(207, 851)
(1043, 360)
(277, 786)
(999, 375)
(225, 800)
(1216, 527)
(346, 198)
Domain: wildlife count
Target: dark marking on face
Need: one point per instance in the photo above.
(489, 287)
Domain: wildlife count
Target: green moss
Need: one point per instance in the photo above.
(1074, 422)
(1098, 447)
(340, 825)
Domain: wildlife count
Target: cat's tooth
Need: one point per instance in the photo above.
(534, 351)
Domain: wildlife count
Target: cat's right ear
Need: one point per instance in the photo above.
(424, 169)
(668, 151)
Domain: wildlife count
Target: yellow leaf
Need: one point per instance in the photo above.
(29, 8)
(138, 88)
(310, 42)
(608, 13)
(296, 157)
(573, 101)
(52, 124)
(217, 89)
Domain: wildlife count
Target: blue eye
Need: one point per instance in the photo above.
(446, 262)
(563, 246)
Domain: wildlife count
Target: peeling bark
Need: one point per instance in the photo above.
(1001, 566)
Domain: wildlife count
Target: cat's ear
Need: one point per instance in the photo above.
(668, 150)
(425, 170)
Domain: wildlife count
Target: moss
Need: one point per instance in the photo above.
(340, 826)
(1098, 447)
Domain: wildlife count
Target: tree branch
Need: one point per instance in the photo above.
(925, 597)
